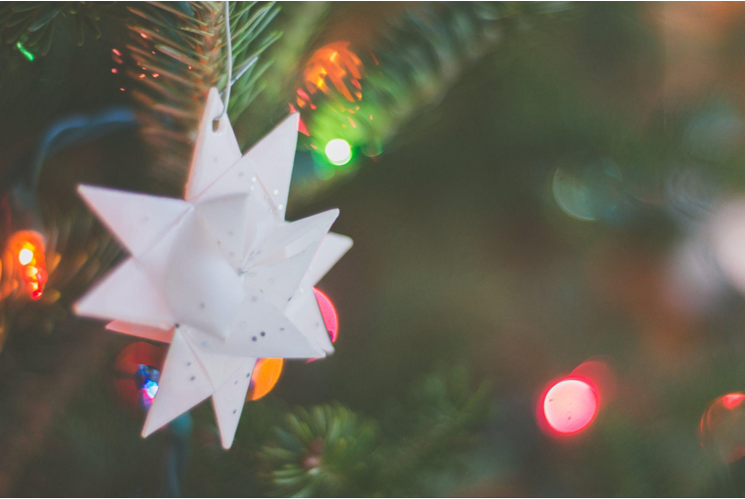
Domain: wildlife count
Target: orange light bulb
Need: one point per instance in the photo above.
(25, 256)
(265, 375)
(26, 247)
(342, 67)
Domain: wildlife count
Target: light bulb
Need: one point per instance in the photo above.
(27, 248)
(265, 375)
(25, 256)
(570, 405)
(339, 152)
(328, 312)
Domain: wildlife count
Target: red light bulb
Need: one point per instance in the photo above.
(328, 312)
(569, 406)
(721, 430)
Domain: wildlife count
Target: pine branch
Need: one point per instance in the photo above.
(332, 451)
(320, 452)
(178, 54)
(175, 52)
(249, 43)
(406, 71)
(175, 55)
(301, 23)
(446, 408)
(410, 68)
(33, 23)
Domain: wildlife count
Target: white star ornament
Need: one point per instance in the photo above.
(220, 275)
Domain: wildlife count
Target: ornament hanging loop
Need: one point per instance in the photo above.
(229, 82)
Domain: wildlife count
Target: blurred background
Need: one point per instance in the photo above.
(544, 297)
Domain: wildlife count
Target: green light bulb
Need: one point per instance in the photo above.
(25, 51)
(338, 151)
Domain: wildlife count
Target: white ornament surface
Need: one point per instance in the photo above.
(221, 275)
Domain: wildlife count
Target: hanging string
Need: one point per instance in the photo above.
(229, 82)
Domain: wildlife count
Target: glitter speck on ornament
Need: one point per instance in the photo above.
(338, 151)
(569, 406)
(722, 428)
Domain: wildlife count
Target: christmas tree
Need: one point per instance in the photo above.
(544, 296)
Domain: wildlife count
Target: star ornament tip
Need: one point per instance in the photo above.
(220, 275)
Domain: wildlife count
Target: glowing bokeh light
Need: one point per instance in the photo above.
(25, 256)
(570, 405)
(26, 247)
(722, 428)
(28, 55)
(328, 312)
(732, 400)
(265, 375)
(573, 196)
(137, 374)
(301, 124)
(338, 151)
(336, 64)
(728, 238)
(148, 391)
(599, 374)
